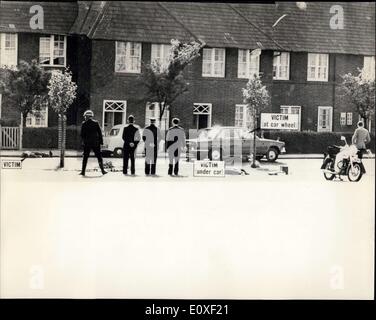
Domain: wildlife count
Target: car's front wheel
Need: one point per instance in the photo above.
(118, 152)
(272, 154)
(215, 154)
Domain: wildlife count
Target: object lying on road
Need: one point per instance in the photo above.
(29, 154)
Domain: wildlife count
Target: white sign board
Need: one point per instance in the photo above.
(11, 164)
(280, 121)
(209, 168)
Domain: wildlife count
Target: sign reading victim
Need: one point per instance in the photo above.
(279, 121)
(11, 164)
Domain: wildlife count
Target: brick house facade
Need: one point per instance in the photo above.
(304, 79)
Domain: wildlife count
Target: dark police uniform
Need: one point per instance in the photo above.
(131, 138)
(175, 142)
(152, 137)
(92, 139)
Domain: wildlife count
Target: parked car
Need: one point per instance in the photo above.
(219, 143)
(113, 142)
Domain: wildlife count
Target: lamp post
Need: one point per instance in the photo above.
(254, 139)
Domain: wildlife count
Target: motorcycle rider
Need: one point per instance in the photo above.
(360, 138)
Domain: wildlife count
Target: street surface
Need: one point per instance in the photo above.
(237, 237)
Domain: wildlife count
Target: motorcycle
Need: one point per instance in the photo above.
(351, 166)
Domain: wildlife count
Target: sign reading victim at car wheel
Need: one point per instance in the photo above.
(209, 168)
(280, 121)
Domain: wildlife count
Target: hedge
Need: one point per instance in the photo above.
(47, 138)
(312, 142)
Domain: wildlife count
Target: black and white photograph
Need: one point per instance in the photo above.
(187, 150)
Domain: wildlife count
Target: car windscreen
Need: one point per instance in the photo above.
(114, 132)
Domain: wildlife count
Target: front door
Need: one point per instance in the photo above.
(113, 113)
(324, 119)
(202, 115)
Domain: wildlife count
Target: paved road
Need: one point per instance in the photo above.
(284, 236)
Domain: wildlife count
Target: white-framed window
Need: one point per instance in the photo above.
(37, 119)
(202, 113)
(153, 111)
(342, 119)
(53, 50)
(114, 112)
(324, 119)
(349, 118)
(369, 67)
(248, 64)
(318, 67)
(346, 118)
(293, 110)
(213, 62)
(243, 117)
(281, 65)
(8, 49)
(128, 57)
(160, 54)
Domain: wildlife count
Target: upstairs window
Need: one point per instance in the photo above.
(53, 50)
(369, 67)
(160, 54)
(318, 65)
(8, 49)
(248, 64)
(128, 57)
(281, 65)
(213, 62)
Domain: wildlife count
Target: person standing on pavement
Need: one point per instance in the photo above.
(361, 137)
(175, 142)
(92, 139)
(152, 137)
(131, 138)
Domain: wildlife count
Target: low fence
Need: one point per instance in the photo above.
(10, 138)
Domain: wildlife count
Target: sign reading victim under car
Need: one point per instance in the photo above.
(279, 121)
(209, 168)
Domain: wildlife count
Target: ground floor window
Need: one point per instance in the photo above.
(243, 117)
(114, 112)
(38, 119)
(293, 110)
(324, 119)
(346, 118)
(202, 113)
(153, 111)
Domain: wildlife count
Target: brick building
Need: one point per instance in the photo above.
(106, 43)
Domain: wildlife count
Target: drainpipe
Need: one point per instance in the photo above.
(334, 85)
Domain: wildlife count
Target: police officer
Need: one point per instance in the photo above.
(131, 138)
(175, 141)
(92, 139)
(152, 137)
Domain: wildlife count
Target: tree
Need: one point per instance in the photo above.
(62, 91)
(25, 87)
(360, 90)
(257, 98)
(164, 83)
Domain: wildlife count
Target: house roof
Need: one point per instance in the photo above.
(132, 21)
(58, 16)
(309, 29)
(275, 26)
